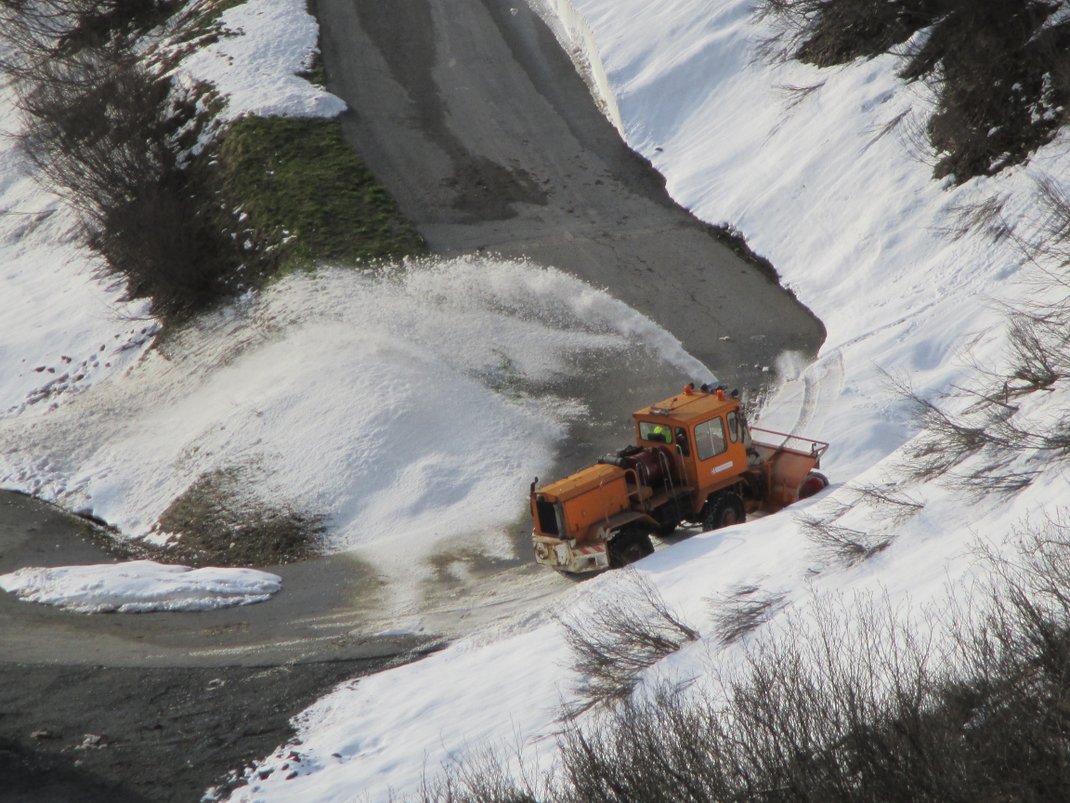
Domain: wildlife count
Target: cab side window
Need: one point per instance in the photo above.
(710, 438)
(734, 427)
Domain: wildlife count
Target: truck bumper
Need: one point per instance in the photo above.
(566, 556)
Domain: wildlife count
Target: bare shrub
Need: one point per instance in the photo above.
(892, 124)
(1039, 352)
(1053, 244)
(985, 216)
(484, 777)
(889, 499)
(987, 423)
(97, 128)
(857, 704)
(997, 68)
(834, 543)
(743, 610)
(614, 642)
(805, 720)
(797, 94)
(38, 32)
(663, 748)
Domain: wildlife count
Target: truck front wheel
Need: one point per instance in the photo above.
(723, 510)
(630, 545)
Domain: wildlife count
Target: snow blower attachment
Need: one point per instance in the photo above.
(695, 460)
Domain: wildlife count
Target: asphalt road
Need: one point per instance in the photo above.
(477, 123)
(158, 706)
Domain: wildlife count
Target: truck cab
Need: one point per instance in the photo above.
(707, 437)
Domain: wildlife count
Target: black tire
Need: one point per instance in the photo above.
(723, 510)
(631, 544)
(665, 530)
(815, 482)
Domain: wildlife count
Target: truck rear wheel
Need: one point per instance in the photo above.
(630, 545)
(723, 510)
(815, 482)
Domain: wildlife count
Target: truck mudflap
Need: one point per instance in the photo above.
(566, 556)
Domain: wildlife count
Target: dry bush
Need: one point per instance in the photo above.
(836, 544)
(890, 499)
(96, 133)
(614, 642)
(985, 217)
(744, 610)
(38, 32)
(892, 124)
(857, 704)
(800, 722)
(997, 67)
(484, 777)
(986, 423)
(666, 748)
(98, 127)
(860, 706)
(794, 95)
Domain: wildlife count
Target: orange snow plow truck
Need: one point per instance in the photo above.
(695, 460)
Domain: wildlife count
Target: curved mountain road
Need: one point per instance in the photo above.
(478, 124)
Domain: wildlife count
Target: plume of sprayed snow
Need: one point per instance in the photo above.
(407, 407)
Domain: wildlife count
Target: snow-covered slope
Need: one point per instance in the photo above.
(818, 169)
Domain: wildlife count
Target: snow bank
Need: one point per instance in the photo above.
(140, 586)
(576, 38)
(255, 63)
(820, 171)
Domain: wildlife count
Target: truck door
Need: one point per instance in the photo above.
(716, 461)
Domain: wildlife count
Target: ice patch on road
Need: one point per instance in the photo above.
(140, 586)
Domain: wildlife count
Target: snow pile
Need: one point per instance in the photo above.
(140, 586)
(255, 64)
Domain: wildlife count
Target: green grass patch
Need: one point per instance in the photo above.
(317, 72)
(292, 193)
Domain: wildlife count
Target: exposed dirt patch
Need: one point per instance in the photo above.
(217, 523)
